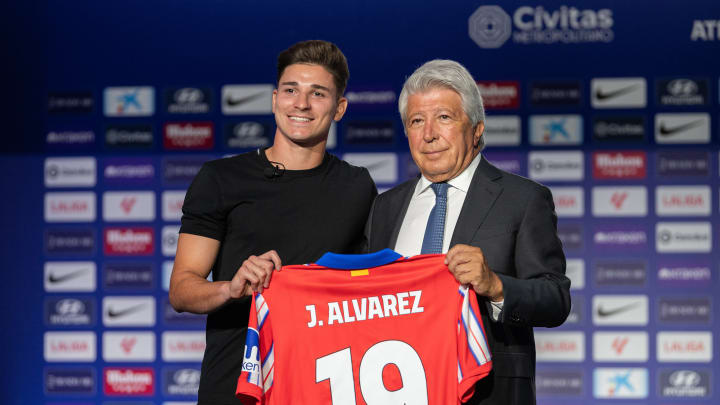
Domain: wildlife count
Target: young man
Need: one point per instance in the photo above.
(247, 215)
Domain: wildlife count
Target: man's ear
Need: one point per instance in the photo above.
(274, 98)
(478, 132)
(340, 109)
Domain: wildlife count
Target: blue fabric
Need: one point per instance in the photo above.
(356, 262)
(435, 229)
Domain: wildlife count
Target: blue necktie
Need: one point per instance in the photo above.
(435, 229)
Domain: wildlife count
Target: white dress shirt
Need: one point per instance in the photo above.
(412, 231)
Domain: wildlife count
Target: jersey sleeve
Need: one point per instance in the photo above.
(258, 367)
(474, 360)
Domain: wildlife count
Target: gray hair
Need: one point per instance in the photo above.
(451, 75)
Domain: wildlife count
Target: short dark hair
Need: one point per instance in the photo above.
(317, 52)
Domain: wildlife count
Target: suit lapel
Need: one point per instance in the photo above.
(480, 198)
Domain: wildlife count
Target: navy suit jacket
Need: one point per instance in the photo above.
(512, 219)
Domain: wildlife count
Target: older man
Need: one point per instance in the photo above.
(498, 229)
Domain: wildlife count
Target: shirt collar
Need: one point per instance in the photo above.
(461, 181)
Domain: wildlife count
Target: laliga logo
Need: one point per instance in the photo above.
(251, 357)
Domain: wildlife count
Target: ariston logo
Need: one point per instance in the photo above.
(619, 165)
(555, 93)
(628, 272)
(70, 102)
(128, 276)
(554, 382)
(75, 380)
(76, 241)
(695, 310)
(490, 26)
(129, 241)
(683, 163)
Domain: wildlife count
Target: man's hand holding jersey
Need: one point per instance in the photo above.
(254, 275)
(467, 265)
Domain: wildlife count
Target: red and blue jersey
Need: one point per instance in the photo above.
(379, 333)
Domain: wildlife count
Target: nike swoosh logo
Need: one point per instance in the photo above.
(665, 131)
(234, 102)
(54, 279)
(129, 310)
(602, 312)
(602, 95)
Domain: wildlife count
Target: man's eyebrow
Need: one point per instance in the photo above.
(314, 86)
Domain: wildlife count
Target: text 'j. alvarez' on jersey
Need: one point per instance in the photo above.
(393, 331)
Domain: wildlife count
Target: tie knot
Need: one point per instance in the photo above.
(440, 189)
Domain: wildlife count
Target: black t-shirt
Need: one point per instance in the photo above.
(301, 214)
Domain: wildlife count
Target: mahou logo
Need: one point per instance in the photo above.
(619, 165)
(500, 94)
(188, 135)
(129, 381)
(129, 241)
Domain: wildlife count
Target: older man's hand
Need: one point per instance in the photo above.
(467, 265)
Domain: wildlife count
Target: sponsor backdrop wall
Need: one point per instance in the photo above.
(614, 105)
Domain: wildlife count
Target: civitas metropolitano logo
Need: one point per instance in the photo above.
(490, 26)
